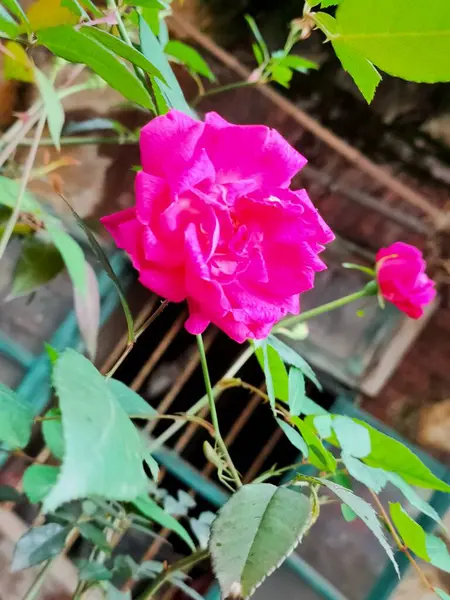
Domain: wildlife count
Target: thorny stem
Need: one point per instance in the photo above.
(129, 347)
(164, 576)
(400, 544)
(212, 408)
(224, 88)
(9, 229)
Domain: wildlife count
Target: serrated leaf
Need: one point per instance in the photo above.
(53, 432)
(100, 440)
(201, 528)
(298, 63)
(92, 571)
(277, 372)
(374, 479)
(353, 438)
(72, 255)
(297, 391)
(9, 494)
(291, 357)
(406, 39)
(294, 437)
(38, 263)
(411, 532)
(77, 47)
(87, 311)
(43, 14)
(154, 512)
(39, 544)
(16, 418)
(365, 512)
(52, 106)
(413, 497)
(38, 480)
(18, 66)
(362, 71)
(438, 552)
(318, 455)
(170, 94)
(328, 3)
(189, 57)
(133, 404)
(96, 536)
(254, 532)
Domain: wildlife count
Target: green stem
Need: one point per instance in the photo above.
(369, 290)
(223, 88)
(212, 407)
(164, 576)
(9, 229)
(34, 591)
(81, 141)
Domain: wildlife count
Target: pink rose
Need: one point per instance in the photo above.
(216, 224)
(402, 279)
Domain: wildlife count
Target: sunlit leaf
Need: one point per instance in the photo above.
(154, 512)
(294, 437)
(348, 514)
(277, 372)
(438, 552)
(75, 46)
(133, 404)
(189, 57)
(87, 311)
(16, 9)
(291, 357)
(38, 263)
(318, 455)
(52, 106)
(38, 544)
(100, 440)
(362, 71)
(49, 13)
(18, 66)
(411, 532)
(16, 418)
(406, 39)
(353, 438)
(374, 479)
(413, 497)
(297, 391)
(254, 532)
(38, 480)
(53, 432)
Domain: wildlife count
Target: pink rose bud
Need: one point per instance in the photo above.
(216, 224)
(402, 279)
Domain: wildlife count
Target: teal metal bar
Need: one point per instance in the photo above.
(15, 352)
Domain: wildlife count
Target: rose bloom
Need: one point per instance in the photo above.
(216, 224)
(402, 279)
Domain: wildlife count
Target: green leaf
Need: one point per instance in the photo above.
(87, 311)
(347, 513)
(365, 512)
(154, 512)
(353, 438)
(323, 425)
(189, 57)
(281, 75)
(52, 106)
(72, 255)
(294, 437)
(258, 54)
(298, 63)
(112, 593)
(39, 544)
(16, 418)
(254, 532)
(38, 480)
(124, 50)
(9, 494)
(93, 534)
(326, 23)
(319, 456)
(442, 595)
(413, 497)
(297, 391)
(53, 432)
(92, 571)
(362, 71)
(328, 3)
(276, 371)
(14, 7)
(312, 408)
(438, 553)
(100, 440)
(38, 263)
(133, 404)
(374, 479)
(268, 375)
(404, 38)
(170, 94)
(152, 465)
(391, 455)
(258, 37)
(9, 190)
(16, 63)
(103, 260)
(292, 358)
(75, 46)
(411, 532)
(8, 24)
